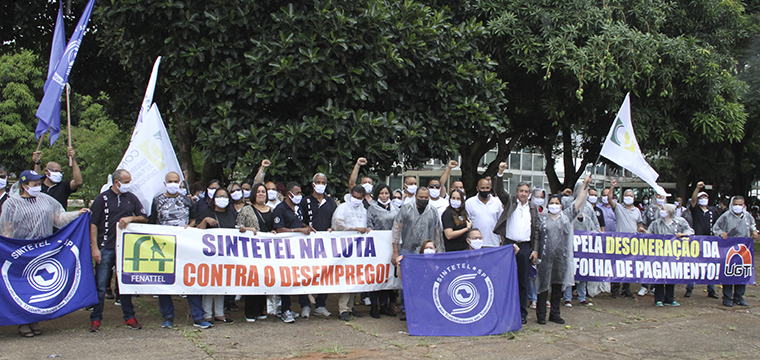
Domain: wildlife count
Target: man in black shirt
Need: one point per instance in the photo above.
(54, 185)
(113, 207)
(703, 217)
(318, 215)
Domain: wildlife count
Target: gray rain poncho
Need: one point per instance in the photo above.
(411, 229)
(380, 218)
(590, 222)
(557, 263)
(32, 218)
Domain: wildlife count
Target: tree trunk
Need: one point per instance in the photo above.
(185, 149)
(551, 174)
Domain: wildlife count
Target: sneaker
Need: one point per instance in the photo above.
(643, 291)
(628, 294)
(287, 316)
(262, 317)
(712, 295)
(585, 302)
(688, 293)
(728, 303)
(305, 312)
(321, 311)
(741, 303)
(250, 319)
(651, 292)
(133, 324)
(167, 324)
(366, 301)
(355, 313)
(94, 326)
(386, 310)
(568, 304)
(109, 294)
(557, 320)
(117, 302)
(532, 304)
(658, 304)
(233, 307)
(226, 320)
(238, 297)
(548, 303)
(673, 304)
(345, 316)
(203, 324)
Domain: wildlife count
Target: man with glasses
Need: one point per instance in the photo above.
(54, 185)
(438, 190)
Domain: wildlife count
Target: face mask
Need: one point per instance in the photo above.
(397, 202)
(411, 189)
(660, 201)
(385, 203)
(246, 193)
(222, 202)
(737, 209)
(272, 194)
(538, 201)
(703, 202)
(124, 188)
(484, 194)
(428, 251)
(172, 188)
(367, 187)
(183, 192)
(355, 202)
(320, 188)
(678, 204)
(3, 183)
(663, 214)
(34, 190)
(456, 204)
(592, 199)
(201, 195)
(237, 195)
(296, 198)
(476, 243)
(56, 176)
(605, 200)
(435, 193)
(645, 201)
(628, 200)
(422, 203)
(211, 193)
(555, 208)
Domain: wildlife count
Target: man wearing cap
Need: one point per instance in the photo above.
(703, 218)
(54, 185)
(113, 207)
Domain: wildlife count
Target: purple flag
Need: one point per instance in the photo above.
(56, 51)
(462, 293)
(49, 112)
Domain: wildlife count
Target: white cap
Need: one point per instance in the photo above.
(702, 193)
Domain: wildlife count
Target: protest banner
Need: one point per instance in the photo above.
(169, 260)
(662, 259)
(462, 293)
(47, 278)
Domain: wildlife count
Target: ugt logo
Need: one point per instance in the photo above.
(743, 267)
(149, 259)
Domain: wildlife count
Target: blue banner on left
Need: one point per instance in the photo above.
(47, 278)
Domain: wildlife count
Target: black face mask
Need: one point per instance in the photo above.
(484, 194)
(422, 204)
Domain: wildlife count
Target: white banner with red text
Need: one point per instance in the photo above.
(152, 259)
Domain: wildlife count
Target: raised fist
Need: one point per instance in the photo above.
(361, 161)
(265, 163)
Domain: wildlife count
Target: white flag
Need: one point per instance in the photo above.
(150, 155)
(622, 148)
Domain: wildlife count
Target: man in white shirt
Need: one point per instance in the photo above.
(410, 189)
(350, 216)
(484, 211)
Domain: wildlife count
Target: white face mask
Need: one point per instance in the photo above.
(222, 202)
(296, 198)
(592, 199)
(237, 195)
(201, 195)
(398, 202)
(660, 201)
(211, 193)
(411, 189)
(628, 200)
(646, 201)
(435, 193)
(3, 183)
(246, 193)
(368, 187)
(319, 188)
(355, 202)
(476, 243)
(34, 190)
(124, 188)
(428, 251)
(172, 188)
(56, 176)
(663, 214)
(538, 201)
(605, 200)
(385, 203)
(555, 208)
(272, 194)
(456, 204)
(183, 192)
(737, 209)
(678, 204)
(703, 201)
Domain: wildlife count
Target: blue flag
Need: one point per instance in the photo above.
(49, 111)
(47, 278)
(462, 293)
(56, 51)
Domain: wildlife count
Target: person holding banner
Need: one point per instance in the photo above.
(380, 216)
(628, 218)
(556, 270)
(703, 219)
(350, 216)
(585, 221)
(29, 214)
(113, 207)
(53, 184)
(668, 224)
(735, 223)
(3, 185)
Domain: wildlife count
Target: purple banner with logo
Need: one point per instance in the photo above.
(461, 293)
(663, 259)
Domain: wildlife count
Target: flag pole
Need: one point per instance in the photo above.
(68, 119)
(39, 144)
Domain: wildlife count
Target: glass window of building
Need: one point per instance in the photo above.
(514, 161)
(527, 162)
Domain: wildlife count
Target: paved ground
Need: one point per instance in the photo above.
(614, 328)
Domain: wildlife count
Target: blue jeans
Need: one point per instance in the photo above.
(532, 289)
(166, 305)
(107, 260)
(580, 287)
